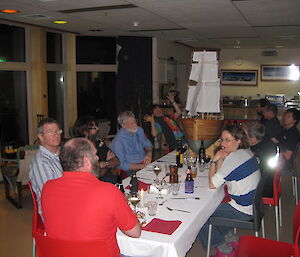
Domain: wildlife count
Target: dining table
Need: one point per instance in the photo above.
(191, 211)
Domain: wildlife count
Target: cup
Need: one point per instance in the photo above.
(194, 171)
(175, 188)
(152, 208)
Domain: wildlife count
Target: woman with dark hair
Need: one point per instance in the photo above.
(87, 127)
(237, 167)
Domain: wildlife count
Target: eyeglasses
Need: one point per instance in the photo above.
(55, 132)
(93, 128)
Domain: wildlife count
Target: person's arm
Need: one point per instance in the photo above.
(275, 140)
(148, 118)
(148, 156)
(112, 161)
(135, 231)
(171, 97)
(216, 163)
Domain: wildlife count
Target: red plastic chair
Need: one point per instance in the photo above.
(37, 222)
(250, 246)
(52, 247)
(275, 201)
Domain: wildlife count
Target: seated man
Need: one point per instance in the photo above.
(45, 165)
(87, 127)
(131, 146)
(272, 124)
(264, 149)
(288, 139)
(78, 206)
(260, 106)
(165, 124)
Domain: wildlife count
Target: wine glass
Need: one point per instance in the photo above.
(156, 170)
(134, 200)
(207, 160)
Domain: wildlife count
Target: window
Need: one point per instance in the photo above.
(96, 95)
(12, 43)
(56, 96)
(95, 50)
(54, 48)
(13, 108)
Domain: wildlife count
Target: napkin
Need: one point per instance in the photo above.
(162, 226)
(142, 185)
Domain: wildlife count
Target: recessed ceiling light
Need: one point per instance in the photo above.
(60, 22)
(136, 23)
(10, 11)
(279, 46)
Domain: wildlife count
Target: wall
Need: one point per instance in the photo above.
(182, 54)
(252, 59)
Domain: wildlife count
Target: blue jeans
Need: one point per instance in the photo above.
(218, 233)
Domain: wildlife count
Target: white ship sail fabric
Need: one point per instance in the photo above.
(205, 96)
(208, 99)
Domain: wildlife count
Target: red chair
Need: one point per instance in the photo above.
(52, 247)
(275, 201)
(250, 246)
(37, 222)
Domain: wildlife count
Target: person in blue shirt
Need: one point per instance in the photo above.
(131, 146)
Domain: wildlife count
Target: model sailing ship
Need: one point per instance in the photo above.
(204, 119)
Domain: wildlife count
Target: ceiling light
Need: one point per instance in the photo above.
(136, 23)
(60, 22)
(236, 47)
(7, 11)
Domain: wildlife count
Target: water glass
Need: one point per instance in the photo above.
(175, 188)
(152, 208)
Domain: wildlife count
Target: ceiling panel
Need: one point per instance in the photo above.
(206, 23)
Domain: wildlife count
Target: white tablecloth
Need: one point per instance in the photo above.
(152, 244)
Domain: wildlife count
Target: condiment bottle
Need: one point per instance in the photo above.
(189, 182)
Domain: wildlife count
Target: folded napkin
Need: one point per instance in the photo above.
(142, 185)
(162, 226)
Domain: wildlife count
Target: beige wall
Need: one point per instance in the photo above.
(252, 59)
(180, 53)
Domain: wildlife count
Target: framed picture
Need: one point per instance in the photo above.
(279, 72)
(239, 77)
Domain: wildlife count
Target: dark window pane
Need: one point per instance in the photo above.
(54, 47)
(12, 43)
(56, 96)
(13, 108)
(96, 96)
(95, 50)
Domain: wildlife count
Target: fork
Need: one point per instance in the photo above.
(172, 209)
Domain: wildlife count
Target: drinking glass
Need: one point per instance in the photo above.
(206, 161)
(134, 200)
(152, 208)
(175, 188)
(156, 170)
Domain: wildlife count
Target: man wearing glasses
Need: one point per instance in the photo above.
(45, 165)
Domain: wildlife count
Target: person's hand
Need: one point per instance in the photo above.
(110, 155)
(221, 154)
(171, 96)
(148, 118)
(147, 159)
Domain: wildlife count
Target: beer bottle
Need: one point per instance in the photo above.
(189, 182)
(134, 184)
(201, 152)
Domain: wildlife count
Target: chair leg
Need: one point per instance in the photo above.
(277, 222)
(280, 214)
(296, 189)
(293, 185)
(208, 241)
(263, 228)
(33, 248)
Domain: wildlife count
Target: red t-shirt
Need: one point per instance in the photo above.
(77, 206)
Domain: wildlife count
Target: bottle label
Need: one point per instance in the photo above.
(189, 186)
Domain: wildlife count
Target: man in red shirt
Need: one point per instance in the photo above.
(77, 206)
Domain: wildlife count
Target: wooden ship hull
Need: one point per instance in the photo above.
(202, 129)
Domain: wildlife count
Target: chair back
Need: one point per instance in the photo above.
(258, 208)
(52, 247)
(296, 221)
(37, 223)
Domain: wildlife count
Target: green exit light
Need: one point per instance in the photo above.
(2, 59)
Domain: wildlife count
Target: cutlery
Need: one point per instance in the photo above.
(163, 202)
(172, 209)
(167, 174)
(196, 198)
